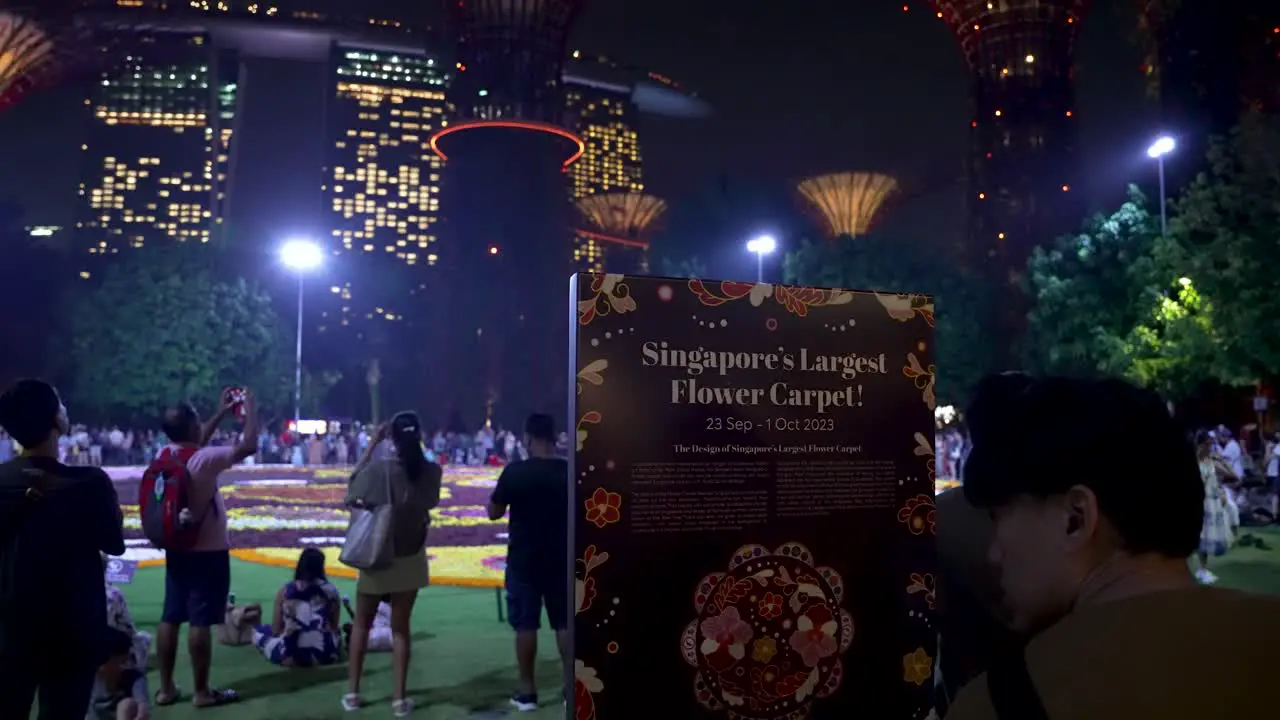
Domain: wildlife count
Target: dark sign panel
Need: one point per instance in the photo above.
(753, 516)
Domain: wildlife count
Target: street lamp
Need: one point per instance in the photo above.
(761, 246)
(1161, 147)
(302, 257)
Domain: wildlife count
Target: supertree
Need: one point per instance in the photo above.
(33, 42)
(507, 224)
(615, 230)
(1024, 134)
(847, 202)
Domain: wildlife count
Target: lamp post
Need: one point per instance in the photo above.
(761, 246)
(301, 257)
(1161, 147)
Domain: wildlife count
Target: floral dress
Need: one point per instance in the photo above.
(309, 637)
(1215, 533)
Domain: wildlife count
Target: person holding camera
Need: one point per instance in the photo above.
(197, 577)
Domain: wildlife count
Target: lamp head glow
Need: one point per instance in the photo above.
(1161, 147)
(762, 245)
(301, 255)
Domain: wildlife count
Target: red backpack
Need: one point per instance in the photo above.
(163, 496)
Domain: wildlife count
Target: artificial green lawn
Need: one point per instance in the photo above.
(463, 664)
(463, 659)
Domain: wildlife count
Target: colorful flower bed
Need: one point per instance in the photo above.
(273, 512)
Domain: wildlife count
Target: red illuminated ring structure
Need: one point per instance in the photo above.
(513, 124)
(614, 239)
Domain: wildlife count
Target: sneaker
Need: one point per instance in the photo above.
(402, 708)
(351, 702)
(1205, 577)
(524, 702)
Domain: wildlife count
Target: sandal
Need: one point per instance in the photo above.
(170, 700)
(220, 697)
(351, 702)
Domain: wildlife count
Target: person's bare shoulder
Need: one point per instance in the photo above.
(212, 460)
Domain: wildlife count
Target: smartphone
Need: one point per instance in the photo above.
(235, 396)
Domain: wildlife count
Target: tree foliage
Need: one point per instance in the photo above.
(690, 267)
(1117, 300)
(883, 263)
(1226, 234)
(159, 328)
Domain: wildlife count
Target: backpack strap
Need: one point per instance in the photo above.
(183, 454)
(1013, 694)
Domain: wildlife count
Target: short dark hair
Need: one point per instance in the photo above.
(178, 421)
(540, 426)
(29, 411)
(1040, 436)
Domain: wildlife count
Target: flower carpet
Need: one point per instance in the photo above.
(273, 511)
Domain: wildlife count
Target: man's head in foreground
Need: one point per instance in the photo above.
(540, 434)
(33, 414)
(1092, 488)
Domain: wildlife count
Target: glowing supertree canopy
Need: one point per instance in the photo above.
(848, 202)
(994, 32)
(27, 51)
(510, 58)
(622, 215)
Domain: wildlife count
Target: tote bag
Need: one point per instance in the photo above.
(368, 544)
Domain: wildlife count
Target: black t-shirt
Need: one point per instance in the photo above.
(52, 589)
(536, 490)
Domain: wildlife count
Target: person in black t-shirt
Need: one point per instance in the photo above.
(536, 491)
(54, 523)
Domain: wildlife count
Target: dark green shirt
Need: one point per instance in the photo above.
(536, 491)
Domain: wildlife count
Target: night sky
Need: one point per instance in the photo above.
(825, 85)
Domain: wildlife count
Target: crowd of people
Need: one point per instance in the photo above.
(1064, 589)
(113, 446)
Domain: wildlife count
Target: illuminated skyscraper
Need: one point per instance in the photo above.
(603, 115)
(154, 164)
(1024, 129)
(382, 180)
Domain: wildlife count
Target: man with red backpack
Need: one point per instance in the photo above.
(183, 511)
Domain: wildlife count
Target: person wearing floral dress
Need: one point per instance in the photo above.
(1215, 533)
(305, 630)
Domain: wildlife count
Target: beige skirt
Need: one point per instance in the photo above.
(402, 575)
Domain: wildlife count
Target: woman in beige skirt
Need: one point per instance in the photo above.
(414, 485)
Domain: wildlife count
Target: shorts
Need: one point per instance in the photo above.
(196, 586)
(528, 592)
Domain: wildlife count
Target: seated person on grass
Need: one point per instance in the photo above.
(120, 688)
(305, 624)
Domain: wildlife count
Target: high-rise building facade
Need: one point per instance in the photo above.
(1024, 135)
(154, 164)
(382, 180)
(604, 116)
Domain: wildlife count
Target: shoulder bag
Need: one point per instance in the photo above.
(368, 545)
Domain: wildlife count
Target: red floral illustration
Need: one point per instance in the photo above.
(603, 508)
(584, 584)
(924, 378)
(924, 583)
(769, 634)
(815, 635)
(585, 685)
(906, 306)
(797, 300)
(920, 515)
(770, 606)
(609, 294)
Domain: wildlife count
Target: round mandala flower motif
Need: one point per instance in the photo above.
(768, 634)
